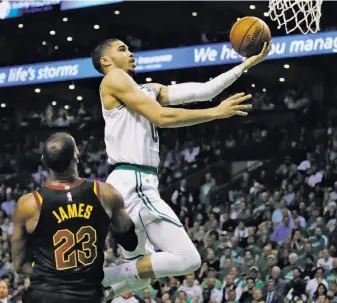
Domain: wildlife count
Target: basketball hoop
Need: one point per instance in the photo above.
(296, 14)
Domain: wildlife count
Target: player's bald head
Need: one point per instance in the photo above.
(59, 151)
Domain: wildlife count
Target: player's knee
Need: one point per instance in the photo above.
(192, 261)
(195, 261)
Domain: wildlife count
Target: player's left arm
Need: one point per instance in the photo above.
(121, 224)
(25, 210)
(198, 92)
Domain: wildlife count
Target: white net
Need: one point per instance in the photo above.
(296, 14)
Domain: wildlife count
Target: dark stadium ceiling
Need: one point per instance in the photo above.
(159, 25)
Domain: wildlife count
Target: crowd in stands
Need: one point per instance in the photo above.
(270, 238)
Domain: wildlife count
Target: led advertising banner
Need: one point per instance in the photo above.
(73, 4)
(165, 59)
(17, 8)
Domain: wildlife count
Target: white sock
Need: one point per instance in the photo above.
(126, 271)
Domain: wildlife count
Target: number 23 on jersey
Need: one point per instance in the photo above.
(67, 256)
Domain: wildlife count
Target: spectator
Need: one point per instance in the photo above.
(254, 273)
(193, 291)
(313, 283)
(147, 296)
(206, 188)
(278, 212)
(181, 192)
(247, 291)
(40, 176)
(318, 241)
(241, 233)
(229, 285)
(215, 294)
(326, 261)
(271, 295)
(279, 282)
(309, 268)
(212, 261)
(231, 296)
(4, 292)
(282, 231)
(181, 297)
(295, 289)
(287, 169)
(248, 261)
(8, 205)
(257, 296)
(321, 291)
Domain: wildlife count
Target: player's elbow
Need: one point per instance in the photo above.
(164, 119)
(160, 121)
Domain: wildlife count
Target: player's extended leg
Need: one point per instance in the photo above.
(178, 257)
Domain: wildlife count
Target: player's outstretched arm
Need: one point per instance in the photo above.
(25, 210)
(126, 90)
(193, 92)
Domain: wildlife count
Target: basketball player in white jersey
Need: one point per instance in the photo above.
(131, 113)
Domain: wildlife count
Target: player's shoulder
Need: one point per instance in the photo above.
(26, 199)
(27, 205)
(109, 193)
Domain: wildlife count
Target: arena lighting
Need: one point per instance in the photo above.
(264, 90)
(148, 79)
(79, 98)
(37, 90)
(53, 103)
(173, 82)
(44, 43)
(252, 6)
(56, 47)
(52, 33)
(3, 105)
(20, 25)
(69, 38)
(194, 14)
(117, 12)
(66, 107)
(65, 19)
(282, 79)
(266, 14)
(253, 85)
(286, 66)
(96, 26)
(72, 86)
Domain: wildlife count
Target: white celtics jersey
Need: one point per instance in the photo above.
(130, 137)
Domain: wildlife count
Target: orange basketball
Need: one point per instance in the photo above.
(248, 35)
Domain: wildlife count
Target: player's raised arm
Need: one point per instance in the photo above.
(121, 86)
(25, 210)
(193, 92)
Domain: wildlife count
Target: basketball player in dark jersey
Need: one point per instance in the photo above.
(60, 230)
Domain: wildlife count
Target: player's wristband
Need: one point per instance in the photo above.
(192, 92)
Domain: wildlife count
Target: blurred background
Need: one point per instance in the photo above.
(257, 195)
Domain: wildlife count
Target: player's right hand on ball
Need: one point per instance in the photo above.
(232, 106)
(254, 60)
